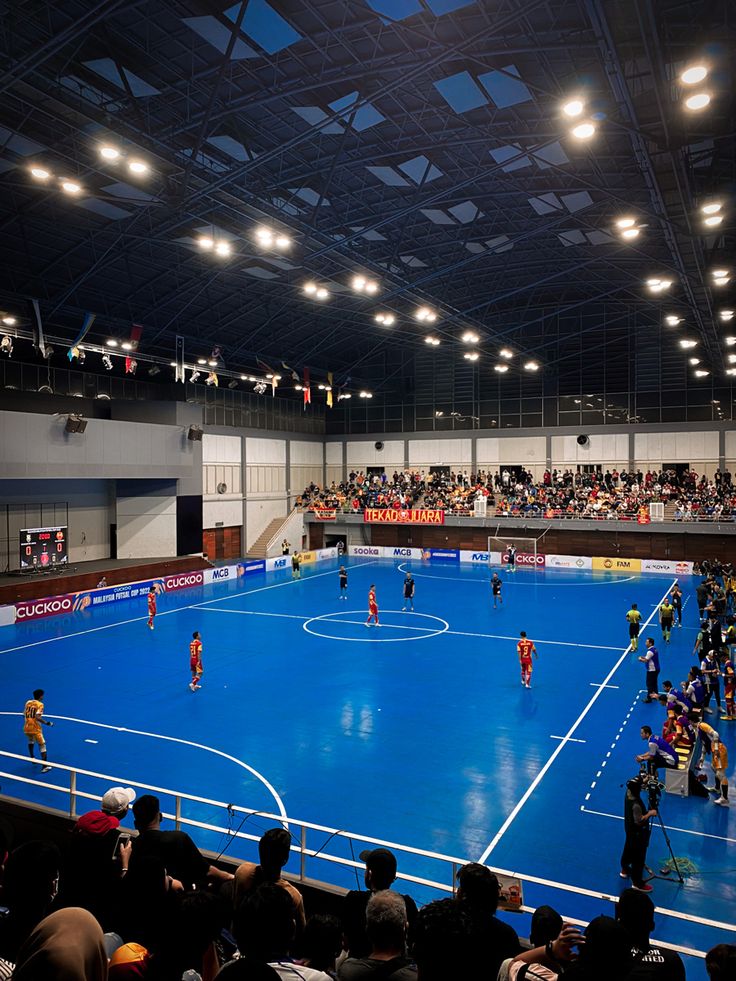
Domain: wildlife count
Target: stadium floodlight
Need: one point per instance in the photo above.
(694, 74)
(698, 101)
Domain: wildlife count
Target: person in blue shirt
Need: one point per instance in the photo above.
(651, 659)
(659, 752)
(694, 689)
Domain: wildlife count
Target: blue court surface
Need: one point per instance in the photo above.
(418, 732)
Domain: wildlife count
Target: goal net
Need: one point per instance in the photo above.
(526, 550)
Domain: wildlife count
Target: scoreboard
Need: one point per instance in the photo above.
(43, 548)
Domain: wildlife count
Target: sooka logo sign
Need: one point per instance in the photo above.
(365, 550)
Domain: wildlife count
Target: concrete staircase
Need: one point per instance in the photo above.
(669, 511)
(260, 545)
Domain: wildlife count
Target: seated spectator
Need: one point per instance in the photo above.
(91, 867)
(546, 927)
(442, 944)
(264, 927)
(492, 940)
(144, 901)
(635, 913)
(66, 946)
(321, 943)
(273, 852)
(720, 962)
(185, 942)
(386, 926)
(605, 955)
(380, 874)
(30, 885)
(180, 855)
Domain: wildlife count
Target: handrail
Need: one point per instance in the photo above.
(299, 842)
(272, 540)
(605, 516)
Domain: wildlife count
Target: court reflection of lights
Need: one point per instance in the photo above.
(357, 722)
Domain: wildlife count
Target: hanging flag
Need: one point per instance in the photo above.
(179, 368)
(38, 339)
(73, 352)
(329, 389)
(307, 390)
(274, 383)
(212, 379)
(133, 339)
(294, 375)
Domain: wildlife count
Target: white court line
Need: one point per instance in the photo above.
(485, 581)
(569, 740)
(175, 739)
(540, 776)
(178, 609)
(401, 626)
(685, 831)
(596, 685)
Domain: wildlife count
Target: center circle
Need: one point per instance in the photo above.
(378, 634)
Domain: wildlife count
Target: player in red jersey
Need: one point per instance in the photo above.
(525, 648)
(195, 661)
(151, 606)
(372, 608)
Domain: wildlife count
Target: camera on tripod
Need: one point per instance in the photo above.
(652, 786)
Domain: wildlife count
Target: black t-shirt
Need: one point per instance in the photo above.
(656, 964)
(181, 857)
(353, 921)
(492, 941)
(496, 585)
(343, 580)
(408, 587)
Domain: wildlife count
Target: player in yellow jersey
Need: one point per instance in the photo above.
(32, 721)
(634, 618)
(666, 618)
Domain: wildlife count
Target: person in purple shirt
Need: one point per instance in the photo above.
(659, 752)
(651, 659)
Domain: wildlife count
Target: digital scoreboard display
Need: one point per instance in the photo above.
(43, 548)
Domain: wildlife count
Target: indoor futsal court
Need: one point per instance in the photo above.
(434, 290)
(290, 676)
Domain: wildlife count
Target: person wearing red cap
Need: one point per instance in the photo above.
(380, 874)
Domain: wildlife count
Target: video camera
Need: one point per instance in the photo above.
(649, 784)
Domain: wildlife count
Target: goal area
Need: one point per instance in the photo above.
(526, 549)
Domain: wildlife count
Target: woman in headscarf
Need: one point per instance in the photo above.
(66, 946)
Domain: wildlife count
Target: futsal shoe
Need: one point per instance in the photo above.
(47, 769)
(191, 686)
(624, 875)
(723, 801)
(643, 888)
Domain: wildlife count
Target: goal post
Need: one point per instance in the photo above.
(524, 546)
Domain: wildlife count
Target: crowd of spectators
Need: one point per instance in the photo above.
(609, 494)
(151, 907)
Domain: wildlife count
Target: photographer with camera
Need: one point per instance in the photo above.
(636, 826)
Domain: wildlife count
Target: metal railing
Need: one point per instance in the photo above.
(302, 831)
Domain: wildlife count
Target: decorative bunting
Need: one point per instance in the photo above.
(329, 389)
(135, 336)
(307, 390)
(38, 339)
(179, 370)
(73, 352)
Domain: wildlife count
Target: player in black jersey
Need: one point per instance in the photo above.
(408, 592)
(343, 583)
(496, 584)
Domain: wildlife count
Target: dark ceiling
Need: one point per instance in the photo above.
(419, 142)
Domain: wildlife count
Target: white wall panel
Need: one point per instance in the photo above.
(605, 448)
(221, 449)
(334, 475)
(303, 453)
(261, 450)
(487, 451)
(440, 452)
(363, 453)
(229, 513)
(698, 448)
(334, 454)
(731, 450)
(146, 527)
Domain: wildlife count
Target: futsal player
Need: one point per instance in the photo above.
(651, 659)
(666, 617)
(151, 606)
(296, 566)
(634, 618)
(676, 597)
(195, 661)
(525, 648)
(511, 558)
(729, 688)
(496, 584)
(372, 608)
(343, 583)
(408, 593)
(32, 721)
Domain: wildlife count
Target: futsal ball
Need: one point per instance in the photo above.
(129, 954)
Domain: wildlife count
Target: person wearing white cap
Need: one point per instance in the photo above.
(92, 867)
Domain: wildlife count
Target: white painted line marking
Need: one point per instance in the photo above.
(174, 739)
(593, 684)
(569, 740)
(668, 827)
(91, 741)
(540, 776)
(478, 581)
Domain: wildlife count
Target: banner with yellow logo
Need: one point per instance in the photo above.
(616, 565)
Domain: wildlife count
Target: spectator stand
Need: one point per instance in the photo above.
(434, 875)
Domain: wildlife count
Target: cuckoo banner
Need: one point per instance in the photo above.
(412, 516)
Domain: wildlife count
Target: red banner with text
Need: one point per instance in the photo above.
(412, 516)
